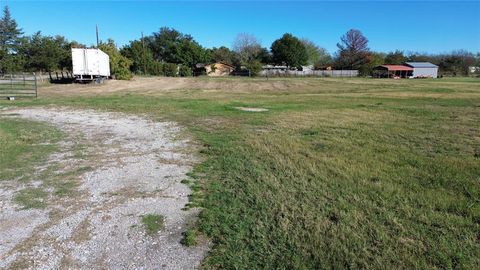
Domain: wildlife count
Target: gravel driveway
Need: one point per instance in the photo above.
(134, 168)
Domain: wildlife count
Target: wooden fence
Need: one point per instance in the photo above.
(309, 73)
(18, 85)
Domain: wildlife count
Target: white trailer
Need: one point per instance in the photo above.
(90, 65)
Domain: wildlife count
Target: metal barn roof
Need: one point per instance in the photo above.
(397, 67)
(421, 64)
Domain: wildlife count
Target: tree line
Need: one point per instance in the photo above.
(169, 52)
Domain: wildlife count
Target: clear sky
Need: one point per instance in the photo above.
(425, 26)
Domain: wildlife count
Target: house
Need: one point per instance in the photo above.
(423, 69)
(473, 70)
(393, 71)
(219, 69)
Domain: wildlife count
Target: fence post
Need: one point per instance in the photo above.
(35, 84)
(24, 84)
(11, 82)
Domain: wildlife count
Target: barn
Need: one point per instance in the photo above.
(423, 69)
(392, 71)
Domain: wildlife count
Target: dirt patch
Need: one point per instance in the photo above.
(162, 85)
(249, 109)
(135, 169)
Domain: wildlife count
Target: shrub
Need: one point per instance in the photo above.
(185, 71)
(170, 70)
(156, 68)
(189, 238)
(255, 67)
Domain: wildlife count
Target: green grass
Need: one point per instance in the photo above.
(153, 223)
(31, 198)
(23, 145)
(339, 173)
(189, 238)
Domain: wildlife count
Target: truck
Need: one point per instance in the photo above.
(90, 65)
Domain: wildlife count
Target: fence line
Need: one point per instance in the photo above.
(311, 73)
(18, 85)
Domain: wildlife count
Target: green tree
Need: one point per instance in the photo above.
(224, 55)
(290, 51)
(10, 33)
(119, 64)
(312, 51)
(395, 58)
(169, 45)
(10, 37)
(142, 58)
(45, 53)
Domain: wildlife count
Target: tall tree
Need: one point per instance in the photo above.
(289, 50)
(169, 45)
(141, 57)
(247, 47)
(9, 31)
(312, 51)
(317, 56)
(10, 36)
(353, 51)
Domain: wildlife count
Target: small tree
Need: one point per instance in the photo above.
(120, 65)
(170, 69)
(395, 58)
(289, 50)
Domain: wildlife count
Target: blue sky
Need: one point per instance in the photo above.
(425, 26)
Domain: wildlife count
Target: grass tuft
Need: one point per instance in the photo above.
(153, 223)
(31, 198)
(189, 238)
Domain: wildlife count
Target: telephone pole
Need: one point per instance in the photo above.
(98, 43)
(144, 56)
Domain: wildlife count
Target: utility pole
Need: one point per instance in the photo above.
(96, 26)
(144, 57)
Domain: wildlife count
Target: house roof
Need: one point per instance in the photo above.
(421, 64)
(397, 67)
(222, 63)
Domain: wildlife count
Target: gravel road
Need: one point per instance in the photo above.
(135, 166)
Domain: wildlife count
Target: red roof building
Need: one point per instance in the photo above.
(392, 71)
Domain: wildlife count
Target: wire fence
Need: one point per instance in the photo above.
(18, 85)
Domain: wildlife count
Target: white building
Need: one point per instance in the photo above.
(423, 69)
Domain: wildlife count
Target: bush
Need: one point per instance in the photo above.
(255, 67)
(185, 71)
(120, 65)
(155, 68)
(170, 70)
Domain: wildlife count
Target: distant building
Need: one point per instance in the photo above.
(215, 69)
(423, 69)
(473, 70)
(219, 69)
(393, 71)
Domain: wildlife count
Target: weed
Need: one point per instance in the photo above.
(153, 223)
(189, 238)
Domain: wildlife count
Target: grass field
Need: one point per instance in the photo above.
(338, 173)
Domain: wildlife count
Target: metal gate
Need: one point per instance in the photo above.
(18, 85)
